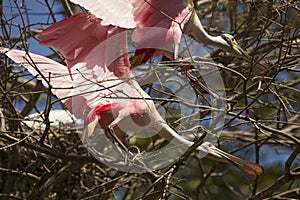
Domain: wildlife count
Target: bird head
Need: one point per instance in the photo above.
(251, 169)
(233, 47)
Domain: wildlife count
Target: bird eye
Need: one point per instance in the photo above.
(232, 40)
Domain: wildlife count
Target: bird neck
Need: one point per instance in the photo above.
(195, 28)
(166, 132)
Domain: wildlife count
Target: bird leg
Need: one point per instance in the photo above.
(117, 139)
(196, 81)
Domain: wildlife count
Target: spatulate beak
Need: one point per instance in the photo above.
(251, 169)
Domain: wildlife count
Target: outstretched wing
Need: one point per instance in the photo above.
(159, 23)
(137, 13)
(76, 37)
(48, 71)
(112, 12)
(97, 60)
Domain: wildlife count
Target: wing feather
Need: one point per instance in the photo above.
(45, 69)
(112, 12)
(76, 37)
(168, 16)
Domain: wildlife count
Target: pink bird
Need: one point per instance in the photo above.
(159, 25)
(100, 89)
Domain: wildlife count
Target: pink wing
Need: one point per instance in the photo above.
(84, 93)
(96, 57)
(165, 15)
(112, 12)
(78, 35)
(58, 75)
(45, 69)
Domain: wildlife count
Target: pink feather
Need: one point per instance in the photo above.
(98, 69)
(77, 36)
(45, 69)
(169, 17)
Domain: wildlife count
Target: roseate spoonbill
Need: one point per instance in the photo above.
(102, 90)
(172, 17)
